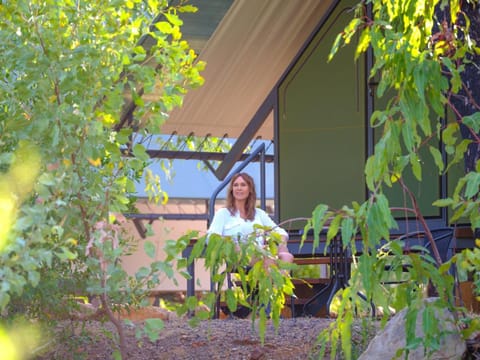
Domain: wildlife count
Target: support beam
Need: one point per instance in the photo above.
(198, 155)
(246, 136)
(139, 218)
(169, 216)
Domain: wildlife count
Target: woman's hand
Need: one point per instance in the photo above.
(283, 252)
(285, 256)
(268, 262)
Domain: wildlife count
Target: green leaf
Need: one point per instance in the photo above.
(472, 121)
(443, 202)
(66, 254)
(164, 26)
(149, 248)
(416, 166)
(437, 157)
(34, 278)
(473, 185)
(475, 220)
(117, 355)
(231, 299)
(142, 273)
(460, 150)
(123, 135)
(191, 303)
(370, 170)
(420, 77)
(318, 219)
(140, 152)
(347, 230)
(4, 299)
(153, 328)
(174, 19)
(188, 8)
(199, 246)
(456, 80)
(333, 227)
(336, 45)
(457, 214)
(47, 179)
(448, 135)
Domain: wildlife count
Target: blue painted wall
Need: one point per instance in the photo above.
(190, 182)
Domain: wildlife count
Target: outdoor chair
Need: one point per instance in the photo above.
(418, 241)
(411, 241)
(443, 238)
(242, 312)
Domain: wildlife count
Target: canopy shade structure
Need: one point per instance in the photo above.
(247, 53)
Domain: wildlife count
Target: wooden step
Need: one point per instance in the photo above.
(312, 261)
(296, 301)
(298, 281)
(310, 281)
(288, 301)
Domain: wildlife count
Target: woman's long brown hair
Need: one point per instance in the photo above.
(251, 199)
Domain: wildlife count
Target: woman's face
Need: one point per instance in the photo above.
(240, 189)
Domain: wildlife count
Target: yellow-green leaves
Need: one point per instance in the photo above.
(363, 43)
(164, 26)
(454, 10)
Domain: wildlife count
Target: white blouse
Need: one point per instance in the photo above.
(226, 224)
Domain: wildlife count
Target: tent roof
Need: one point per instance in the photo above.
(246, 55)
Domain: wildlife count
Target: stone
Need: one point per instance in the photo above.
(392, 338)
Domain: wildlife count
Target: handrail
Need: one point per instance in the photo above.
(263, 203)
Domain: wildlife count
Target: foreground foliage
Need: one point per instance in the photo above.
(67, 69)
(421, 53)
(425, 57)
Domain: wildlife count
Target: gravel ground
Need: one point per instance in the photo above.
(214, 339)
(224, 339)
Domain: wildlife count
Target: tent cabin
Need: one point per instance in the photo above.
(268, 80)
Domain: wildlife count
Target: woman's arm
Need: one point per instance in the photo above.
(266, 220)
(218, 222)
(283, 252)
